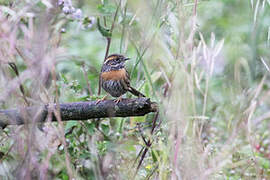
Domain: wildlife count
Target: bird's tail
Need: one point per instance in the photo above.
(135, 92)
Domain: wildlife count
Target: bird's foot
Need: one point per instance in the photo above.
(118, 100)
(102, 99)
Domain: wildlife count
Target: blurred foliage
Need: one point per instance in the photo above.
(209, 74)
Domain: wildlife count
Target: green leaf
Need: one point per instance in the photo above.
(105, 128)
(154, 153)
(91, 128)
(138, 119)
(70, 124)
(63, 175)
(79, 63)
(130, 147)
(147, 89)
(104, 31)
(106, 9)
(263, 162)
(85, 155)
(84, 98)
(64, 78)
(87, 20)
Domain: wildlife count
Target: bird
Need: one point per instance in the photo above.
(115, 79)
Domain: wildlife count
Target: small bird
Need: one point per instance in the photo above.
(115, 78)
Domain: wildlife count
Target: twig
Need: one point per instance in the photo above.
(195, 8)
(108, 47)
(123, 29)
(147, 143)
(86, 79)
(57, 114)
(15, 69)
(193, 30)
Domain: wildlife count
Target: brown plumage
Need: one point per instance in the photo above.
(115, 78)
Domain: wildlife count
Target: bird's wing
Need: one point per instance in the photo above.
(127, 79)
(126, 83)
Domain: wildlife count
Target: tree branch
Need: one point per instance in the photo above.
(79, 111)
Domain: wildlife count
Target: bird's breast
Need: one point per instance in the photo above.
(114, 75)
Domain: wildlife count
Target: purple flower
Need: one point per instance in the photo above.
(60, 2)
(77, 14)
(66, 10)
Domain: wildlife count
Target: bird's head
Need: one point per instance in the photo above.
(116, 61)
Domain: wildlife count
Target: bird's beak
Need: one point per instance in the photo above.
(126, 59)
